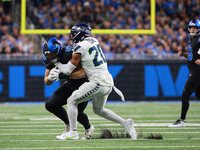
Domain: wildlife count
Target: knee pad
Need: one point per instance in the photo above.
(97, 110)
(71, 101)
(52, 103)
(49, 106)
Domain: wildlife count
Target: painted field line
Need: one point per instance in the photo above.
(100, 147)
(117, 139)
(5, 134)
(151, 124)
(92, 120)
(2, 114)
(53, 118)
(105, 125)
(28, 126)
(178, 128)
(155, 116)
(181, 128)
(95, 117)
(59, 121)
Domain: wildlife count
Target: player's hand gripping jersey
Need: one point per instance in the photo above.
(94, 64)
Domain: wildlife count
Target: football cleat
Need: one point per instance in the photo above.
(87, 135)
(178, 123)
(72, 135)
(128, 125)
(63, 135)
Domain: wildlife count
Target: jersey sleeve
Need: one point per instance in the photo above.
(78, 48)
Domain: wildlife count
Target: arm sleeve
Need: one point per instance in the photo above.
(65, 68)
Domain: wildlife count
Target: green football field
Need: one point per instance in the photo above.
(25, 127)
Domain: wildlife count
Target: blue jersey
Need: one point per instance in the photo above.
(193, 51)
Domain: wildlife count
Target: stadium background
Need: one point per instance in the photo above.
(144, 66)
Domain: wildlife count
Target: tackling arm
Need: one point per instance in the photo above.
(78, 73)
(70, 66)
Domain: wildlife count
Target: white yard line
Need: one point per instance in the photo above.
(5, 134)
(51, 120)
(181, 128)
(117, 139)
(110, 147)
(92, 117)
(151, 124)
(105, 125)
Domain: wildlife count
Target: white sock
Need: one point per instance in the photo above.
(72, 111)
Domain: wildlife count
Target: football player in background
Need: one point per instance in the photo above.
(54, 52)
(87, 51)
(193, 81)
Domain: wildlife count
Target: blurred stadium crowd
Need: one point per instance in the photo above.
(11, 41)
(172, 17)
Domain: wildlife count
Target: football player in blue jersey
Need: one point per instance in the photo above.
(193, 81)
(54, 52)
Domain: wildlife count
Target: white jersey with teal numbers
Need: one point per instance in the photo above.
(93, 61)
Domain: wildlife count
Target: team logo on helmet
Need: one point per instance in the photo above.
(79, 32)
(50, 46)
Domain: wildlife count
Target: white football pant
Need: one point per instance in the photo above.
(98, 94)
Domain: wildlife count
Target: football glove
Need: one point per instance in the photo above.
(54, 74)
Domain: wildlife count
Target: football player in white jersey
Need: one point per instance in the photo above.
(87, 52)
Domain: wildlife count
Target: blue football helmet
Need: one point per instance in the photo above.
(194, 23)
(52, 48)
(79, 32)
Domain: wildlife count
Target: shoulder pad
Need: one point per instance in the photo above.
(76, 47)
(68, 48)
